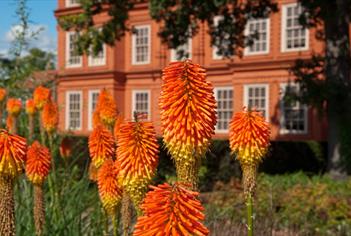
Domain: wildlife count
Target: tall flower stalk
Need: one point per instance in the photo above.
(40, 96)
(188, 116)
(12, 157)
(249, 136)
(50, 119)
(30, 110)
(37, 169)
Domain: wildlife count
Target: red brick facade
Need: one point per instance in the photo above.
(257, 77)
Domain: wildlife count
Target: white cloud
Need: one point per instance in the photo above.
(43, 40)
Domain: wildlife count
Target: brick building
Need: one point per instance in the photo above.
(131, 70)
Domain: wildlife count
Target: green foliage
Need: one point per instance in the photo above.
(90, 38)
(180, 20)
(17, 69)
(17, 73)
(23, 34)
(287, 204)
(72, 201)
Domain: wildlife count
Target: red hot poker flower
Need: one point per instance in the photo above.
(13, 106)
(2, 94)
(249, 135)
(13, 150)
(38, 163)
(188, 115)
(40, 96)
(50, 116)
(101, 145)
(107, 108)
(30, 107)
(109, 190)
(137, 157)
(171, 210)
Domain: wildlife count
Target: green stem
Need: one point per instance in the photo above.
(115, 222)
(31, 127)
(106, 222)
(249, 206)
(42, 131)
(51, 146)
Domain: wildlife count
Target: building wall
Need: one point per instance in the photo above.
(121, 77)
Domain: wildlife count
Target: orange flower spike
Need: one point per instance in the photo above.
(50, 116)
(137, 157)
(107, 108)
(109, 190)
(116, 129)
(101, 145)
(13, 106)
(30, 107)
(38, 163)
(96, 119)
(171, 210)
(249, 135)
(13, 150)
(2, 94)
(188, 115)
(40, 96)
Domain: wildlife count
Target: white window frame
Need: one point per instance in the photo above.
(90, 107)
(246, 96)
(95, 61)
(67, 121)
(134, 92)
(134, 62)
(69, 4)
(282, 130)
(247, 29)
(216, 89)
(283, 31)
(68, 65)
(174, 52)
(215, 56)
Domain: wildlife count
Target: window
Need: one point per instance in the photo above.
(141, 103)
(260, 29)
(185, 48)
(93, 99)
(294, 114)
(256, 96)
(74, 110)
(99, 59)
(72, 3)
(141, 42)
(215, 52)
(224, 97)
(294, 36)
(72, 57)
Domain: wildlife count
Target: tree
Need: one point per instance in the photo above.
(325, 79)
(17, 67)
(331, 19)
(181, 21)
(15, 72)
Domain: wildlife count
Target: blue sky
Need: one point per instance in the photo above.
(41, 15)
